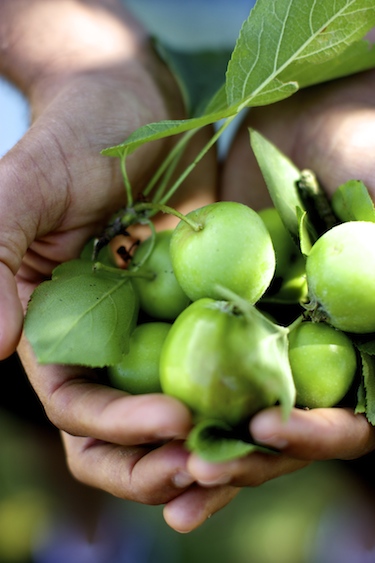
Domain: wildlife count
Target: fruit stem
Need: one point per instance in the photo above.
(156, 207)
(295, 323)
(128, 188)
(197, 159)
(150, 247)
(168, 166)
(98, 266)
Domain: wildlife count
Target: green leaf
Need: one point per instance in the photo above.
(280, 38)
(281, 176)
(267, 352)
(304, 235)
(357, 57)
(162, 129)
(81, 316)
(216, 442)
(360, 407)
(368, 372)
(281, 47)
(352, 202)
(274, 92)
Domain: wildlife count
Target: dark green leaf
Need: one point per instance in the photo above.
(368, 371)
(216, 442)
(361, 399)
(200, 75)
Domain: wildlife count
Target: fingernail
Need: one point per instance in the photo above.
(265, 431)
(182, 479)
(223, 479)
(272, 441)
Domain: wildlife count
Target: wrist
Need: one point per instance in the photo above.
(40, 40)
(46, 45)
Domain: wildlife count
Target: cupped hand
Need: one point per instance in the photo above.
(331, 130)
(56, 189)
(89, 90)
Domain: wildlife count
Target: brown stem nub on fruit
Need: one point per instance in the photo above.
(316, 202)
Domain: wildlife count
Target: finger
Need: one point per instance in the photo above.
(140, 474)
(192, 508)
(250, 471)
(333, 131)
(11, 313)
(18, 221)
(315, 434)
(81, 406)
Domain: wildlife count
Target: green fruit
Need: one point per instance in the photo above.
(138, 371)
(352, 202)
(323, 362)
(160, 295)
(232, 249)
(289, 283)
(340, 272)
(212, 361)
(286, 251)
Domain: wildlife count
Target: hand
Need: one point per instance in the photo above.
(329, 129)
(87, 92)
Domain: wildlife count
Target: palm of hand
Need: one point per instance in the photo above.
(328, 129)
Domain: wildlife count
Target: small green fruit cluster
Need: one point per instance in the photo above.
(195, 341)
(224, 246)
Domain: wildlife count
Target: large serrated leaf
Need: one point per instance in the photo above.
(81, 316)
(279, 36)
(282, 46)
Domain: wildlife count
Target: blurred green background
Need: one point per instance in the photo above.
(312, 516)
